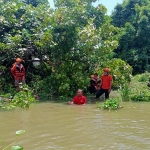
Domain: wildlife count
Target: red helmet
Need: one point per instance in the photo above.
(106, 69)
(18, 60)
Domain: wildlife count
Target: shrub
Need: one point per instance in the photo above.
(125, 92)
(120, 70)
(45, 88)
(62, 83)
(24, 98)
(143, 77)
(141, 96)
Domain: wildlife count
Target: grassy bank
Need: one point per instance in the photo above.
(136, 90)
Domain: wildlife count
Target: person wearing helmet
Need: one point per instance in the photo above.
(18, 72)
(105, 85)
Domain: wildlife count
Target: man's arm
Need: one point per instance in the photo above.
(93, 84)
(100, 85)
(71, 102)
(24, 71)
(12, 71)
(110, 86)
(84, 101)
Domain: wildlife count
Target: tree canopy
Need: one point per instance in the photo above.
(72, 41)
(133, 17)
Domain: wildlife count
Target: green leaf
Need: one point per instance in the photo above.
(17, 148)
(20, 132)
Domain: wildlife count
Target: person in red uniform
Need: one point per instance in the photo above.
(79, 99)
(105, 85)
(18, 72)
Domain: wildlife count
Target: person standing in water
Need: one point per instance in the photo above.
(18, 72)
(79, 99)
(105, 85)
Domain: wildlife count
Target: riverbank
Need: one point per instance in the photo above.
(136, 90)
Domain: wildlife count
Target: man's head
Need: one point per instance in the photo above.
(18, 60)
(79, 92)
(91, 76)
(106, 71)
(95, 76)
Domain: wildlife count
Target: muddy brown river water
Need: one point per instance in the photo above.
(57, 126)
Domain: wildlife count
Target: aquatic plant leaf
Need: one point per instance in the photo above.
(16, 147)
(20, 132)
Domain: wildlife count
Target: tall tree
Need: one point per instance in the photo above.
(35, 3)
(72, 41)
(133, 16)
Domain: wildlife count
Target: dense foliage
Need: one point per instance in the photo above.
(72, 42)
(112, 103)
(125, 92)
(141, 96)
(24, 98)
(133, 19)
(137, 89)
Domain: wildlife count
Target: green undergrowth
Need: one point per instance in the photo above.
(24, 98)
(144, 77)
(137, 89)
(141, 96)
(125, 92)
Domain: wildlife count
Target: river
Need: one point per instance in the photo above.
(57, 126)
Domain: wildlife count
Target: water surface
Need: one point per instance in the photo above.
(57, 126)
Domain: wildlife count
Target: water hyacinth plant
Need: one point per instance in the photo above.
(111, 103)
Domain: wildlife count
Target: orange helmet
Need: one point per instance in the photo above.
(106, 69)
(18, 60)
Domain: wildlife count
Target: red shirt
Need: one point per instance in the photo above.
(79, 100)
(106, 82)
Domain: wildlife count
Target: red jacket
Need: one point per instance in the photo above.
(79, 100)
(18, 71)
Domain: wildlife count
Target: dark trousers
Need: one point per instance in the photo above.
(102, 91)
(92, 89)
